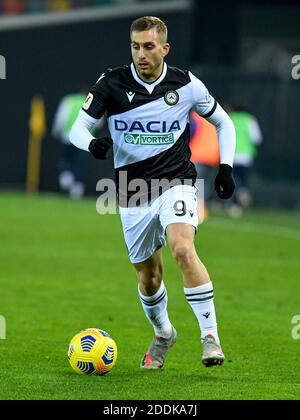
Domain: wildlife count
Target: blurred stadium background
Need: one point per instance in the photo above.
(241, 50)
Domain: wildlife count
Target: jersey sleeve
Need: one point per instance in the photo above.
(204, 103)
(95, 104)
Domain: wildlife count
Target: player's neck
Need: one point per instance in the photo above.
(152, 77)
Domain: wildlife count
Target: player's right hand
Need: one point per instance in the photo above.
(100, 147)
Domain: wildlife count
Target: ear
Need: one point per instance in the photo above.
(166, 48)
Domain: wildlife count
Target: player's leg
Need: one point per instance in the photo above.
(181, 241)
(233, 205)
(65, 172)
(150, 273)
(198, 289)
(243, 194)
(144, 237)
(79, 162)
(178, 217)
(153, 296)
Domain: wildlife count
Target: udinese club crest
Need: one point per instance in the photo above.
(171, 97)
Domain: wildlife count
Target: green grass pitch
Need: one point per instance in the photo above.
(64, 268)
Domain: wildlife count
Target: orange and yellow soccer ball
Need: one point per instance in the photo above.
(92, 352)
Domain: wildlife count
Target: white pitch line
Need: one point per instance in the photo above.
(262, 228)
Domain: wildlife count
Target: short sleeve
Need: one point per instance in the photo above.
(95, 104)
(204, 103)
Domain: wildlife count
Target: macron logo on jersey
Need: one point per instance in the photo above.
(130, 96)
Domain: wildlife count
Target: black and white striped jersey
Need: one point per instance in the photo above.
(149, 122)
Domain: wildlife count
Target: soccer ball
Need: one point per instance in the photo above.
(92, 352)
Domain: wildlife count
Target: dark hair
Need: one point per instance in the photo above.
(146, 23)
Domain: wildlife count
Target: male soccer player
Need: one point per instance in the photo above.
(147, 106)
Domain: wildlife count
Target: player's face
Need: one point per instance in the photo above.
(148, 50)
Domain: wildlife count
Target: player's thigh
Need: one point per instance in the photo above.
(179, 219)
(142, 232)
(179, 206)
(180, 238)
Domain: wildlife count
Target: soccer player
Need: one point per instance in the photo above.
(72, 162)
(147, 106)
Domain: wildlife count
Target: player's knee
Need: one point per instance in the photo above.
(149, 285)
(150, 280)
(184, 256)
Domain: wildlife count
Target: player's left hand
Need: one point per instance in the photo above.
(100, 147)
(224, 182)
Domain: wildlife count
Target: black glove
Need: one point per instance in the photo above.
(224, 182)
(100, 147)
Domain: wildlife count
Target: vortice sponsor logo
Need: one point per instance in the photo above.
(149, 139)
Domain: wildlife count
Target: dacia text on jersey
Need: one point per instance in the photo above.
(150, 133)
